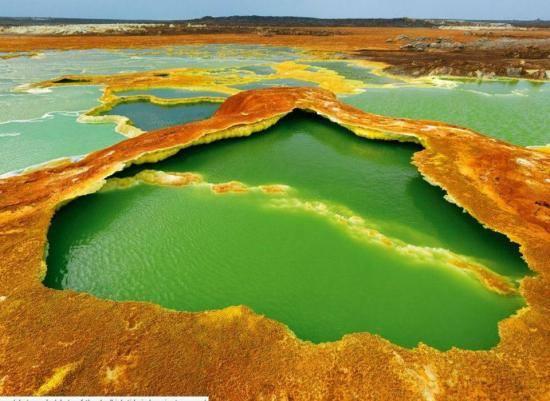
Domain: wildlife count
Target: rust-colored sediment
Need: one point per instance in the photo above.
(65, 342)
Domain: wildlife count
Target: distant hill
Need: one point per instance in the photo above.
(255, 20)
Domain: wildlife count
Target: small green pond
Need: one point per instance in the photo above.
(149, 116)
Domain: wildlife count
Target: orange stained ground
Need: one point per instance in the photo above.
(63, 342)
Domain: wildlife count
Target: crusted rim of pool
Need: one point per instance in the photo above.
(64, 342)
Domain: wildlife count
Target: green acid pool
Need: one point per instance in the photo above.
(149, 116)
(515, 111)
(190, 249)
(170, 93)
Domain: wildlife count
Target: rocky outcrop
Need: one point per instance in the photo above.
(482, 58)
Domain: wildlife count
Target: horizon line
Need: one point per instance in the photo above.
(273, 16)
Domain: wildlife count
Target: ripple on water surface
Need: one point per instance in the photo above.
(190, 249)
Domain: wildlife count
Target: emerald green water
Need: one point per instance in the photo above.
(149, 116)
(373, 178)
(207, 251)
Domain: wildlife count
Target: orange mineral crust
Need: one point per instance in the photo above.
(63, 342)
(324, 39)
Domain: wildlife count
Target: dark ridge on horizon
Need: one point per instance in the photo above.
(256, 20)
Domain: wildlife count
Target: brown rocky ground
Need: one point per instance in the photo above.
(485, 57)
